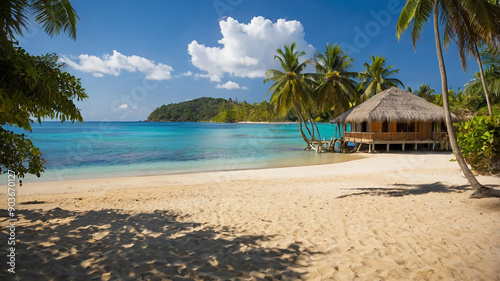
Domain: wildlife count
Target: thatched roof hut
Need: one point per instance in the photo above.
(393, 105)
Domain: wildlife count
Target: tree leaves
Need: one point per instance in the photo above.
(479, 141)
(376, 78)
(32, 87)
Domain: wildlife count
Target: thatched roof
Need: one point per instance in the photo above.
(393, 105)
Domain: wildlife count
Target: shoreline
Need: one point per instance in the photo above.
(394, 216)
(189, 177)
(274, 164)
(375, 163)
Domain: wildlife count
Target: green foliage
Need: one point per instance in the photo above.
(200, 109)
(491, 59)
(292, 88)
(479, 141)
(33, 86)
(227, 114)
(337, 87)
(15, 147)
(426, 92)
(53, 15)
(218, 110)
(376, 78)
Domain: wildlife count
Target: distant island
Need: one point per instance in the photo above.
(208, 109)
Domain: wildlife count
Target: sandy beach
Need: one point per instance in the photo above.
(383, 217)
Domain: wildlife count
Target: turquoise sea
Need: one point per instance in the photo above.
(106, 149)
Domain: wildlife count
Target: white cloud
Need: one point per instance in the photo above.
(123, 106)
(229, 85)
(214, 78)
(184, 74)
(247, 49)
(245, 88)
(115, 63)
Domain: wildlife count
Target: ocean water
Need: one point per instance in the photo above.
(105, 149)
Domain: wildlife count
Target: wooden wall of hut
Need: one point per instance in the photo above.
(423, 130)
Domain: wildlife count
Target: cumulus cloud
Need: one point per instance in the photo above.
(247, 49)
(229, 85)
(123, 106)
(115, 63)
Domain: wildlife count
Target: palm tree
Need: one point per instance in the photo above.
(336, 86)
(491, 58)
(492, 78)
(376, 78)
(473, 23)
(425, 91)
(416, 13)
(292, 88)
(53, 15)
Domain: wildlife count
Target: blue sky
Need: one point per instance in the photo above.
(133, 56)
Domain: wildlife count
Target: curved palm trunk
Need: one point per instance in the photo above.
(299, 116)
(479, 190)
(307, 128)
(317, 129)
(314, 126)
(483, 81)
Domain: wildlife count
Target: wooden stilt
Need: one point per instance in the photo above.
(359, 146)
(387, 147)
(403, 146)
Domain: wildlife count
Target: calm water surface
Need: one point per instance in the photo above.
(102, 149)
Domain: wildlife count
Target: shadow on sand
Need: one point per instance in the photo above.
(112, 244)
(399, 190)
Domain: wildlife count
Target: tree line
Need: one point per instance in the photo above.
(207, 109)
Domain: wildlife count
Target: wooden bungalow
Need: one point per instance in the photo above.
(395, 116)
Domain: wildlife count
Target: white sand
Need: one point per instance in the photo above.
(384, 217)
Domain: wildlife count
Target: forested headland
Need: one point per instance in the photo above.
(208, 109)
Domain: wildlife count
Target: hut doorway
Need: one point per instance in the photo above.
(402, 128)
(439, 127)
(411, 127)
(385, 127)
(443, 127)
(405, 127)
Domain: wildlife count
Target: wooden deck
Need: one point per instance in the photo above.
(377, 137)
(324, 145)
(372, 138)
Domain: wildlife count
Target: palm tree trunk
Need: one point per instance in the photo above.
(317, 129)
(479, 190)
(299, 116)
(313, 125)
(307, 127)
(483, 81)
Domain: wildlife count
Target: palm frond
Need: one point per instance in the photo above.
(14, 16)
(55, 16)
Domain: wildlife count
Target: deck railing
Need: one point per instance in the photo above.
(393, 136)
(440, 136)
